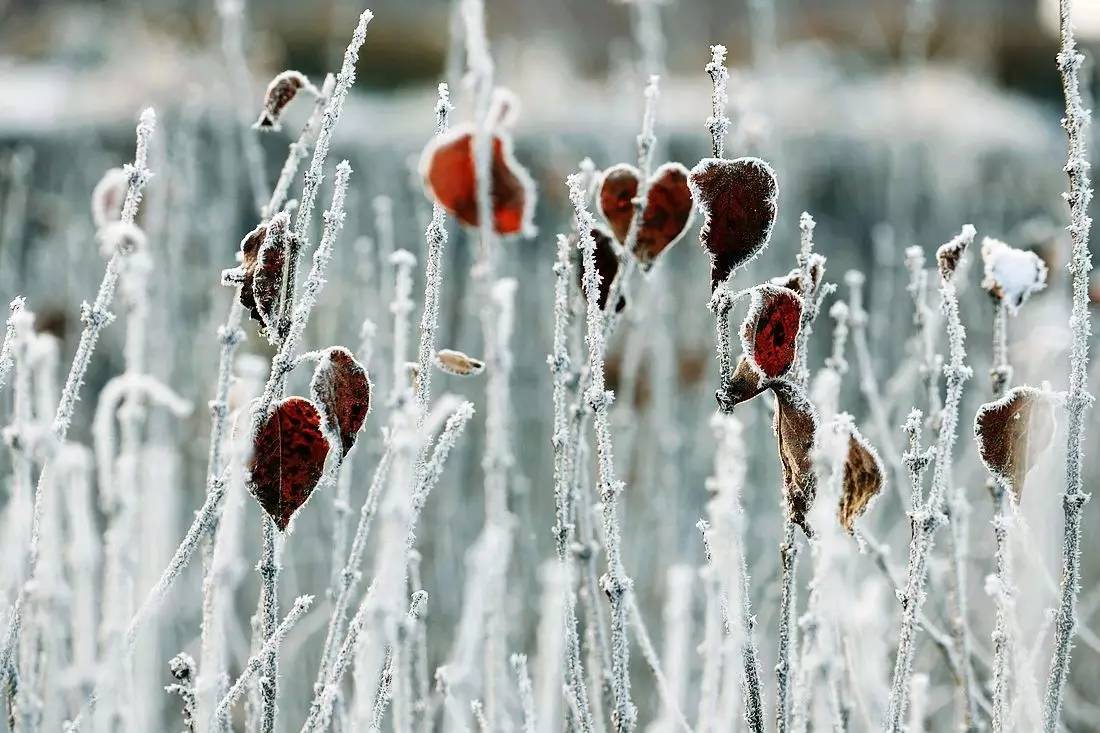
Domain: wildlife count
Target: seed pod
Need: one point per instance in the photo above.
(667, 214)
(458, 364)
(737, 199)
(447, 168)
(796, 428)
(342, 388)
(863, 479)
(1012, 433)
(108, 196)
(288, 459)
(280, 92)
(1011, 275)
(770, 329)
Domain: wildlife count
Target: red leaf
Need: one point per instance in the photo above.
(267, 282)
(667, 213)
(342, 387)
(738, 201)
(447, 167)
(1012, 432)
(288, 458)
(770, 329)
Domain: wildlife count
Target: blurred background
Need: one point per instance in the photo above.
(893, 123)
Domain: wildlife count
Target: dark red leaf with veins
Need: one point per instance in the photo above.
(341, 386)
(667, 212)
(738, 201)
(288, 458)
(447, 166)
(769, 331)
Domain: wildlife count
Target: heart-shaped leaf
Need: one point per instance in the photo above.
(447, 167)
(738, 201)
(796, 430)
(667, 213)
(288, 459)
(770, 330)
(1012, 433)
(341, 386)
(863, 479)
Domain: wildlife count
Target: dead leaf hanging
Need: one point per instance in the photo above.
(341, 386)
(607, 266)
(458, 363)
(770, 330)
(796, 428)
(1012, 433)
(281, 92)
(447, 167)
(288, 459)
(863, 479)
(738, 201)
(667, 214)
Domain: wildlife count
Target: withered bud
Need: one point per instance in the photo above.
(458, 364)
(280, 92)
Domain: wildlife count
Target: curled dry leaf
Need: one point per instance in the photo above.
(607, 266)
(457, 363)
(262, 270)
(288, 458)
(341, 386)
(796, 429)
(737, 199)
(793, 279)
(108, 197)
(1012, 433)
(447, 168)
(744, 385)
(769, 331)
(1011, 275)
(280, 92)
(863, 479)
(667, 214)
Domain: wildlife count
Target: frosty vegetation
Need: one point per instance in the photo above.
(459, 472)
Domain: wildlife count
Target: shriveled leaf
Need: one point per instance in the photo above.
(607, 265)
(457, 363)
(267, 281)
(744, 385)
(447, 167)
(1012, 433)
(796, 430)
(667, 214)
(863, 479)
(793, 279)
(288, 459)
(738, 201)
(280, 92)
(341, 386)
(770, 329)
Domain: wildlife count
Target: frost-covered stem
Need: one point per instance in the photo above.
(1000, 373)
(298, 151)
(929, 514)
(231, 14)
(1078, 400)
(6, 361)
(649, 654)
(389, 678)
(721, 303)
(615, 582)
(788, 638)
(256, 661)
(314, 174)
(718, 124)
(268, 569)
(403, 263)
(350, 575)
(435, 239)
(922, 319)
(526, 692)
(808, 291)
(95, 317)
(1003, 643)
(564, 444)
